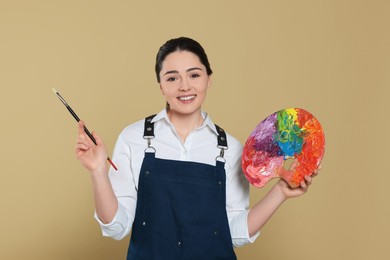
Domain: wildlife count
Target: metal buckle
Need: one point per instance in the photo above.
(150, 147)
(221, 155)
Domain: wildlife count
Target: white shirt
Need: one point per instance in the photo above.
(199, 146)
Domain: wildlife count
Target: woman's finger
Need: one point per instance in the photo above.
(81, 131)
(81, 128)
(304, 186)
(82, 140)
(98, 139)
(81, 147)
(82, 134)
(308, 180)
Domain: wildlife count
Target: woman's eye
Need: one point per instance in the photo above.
(194, 76)
(171, 79)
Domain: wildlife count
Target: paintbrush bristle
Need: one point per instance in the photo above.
(55, 91)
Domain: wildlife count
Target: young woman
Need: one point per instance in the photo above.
(178, 188)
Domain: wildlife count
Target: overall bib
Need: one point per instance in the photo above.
(181, 208)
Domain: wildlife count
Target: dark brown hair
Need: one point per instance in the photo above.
(181, 44)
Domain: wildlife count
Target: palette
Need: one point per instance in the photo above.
(289, 136)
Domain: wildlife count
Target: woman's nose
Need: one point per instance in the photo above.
(185, 85)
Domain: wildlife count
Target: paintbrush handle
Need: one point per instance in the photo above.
(94, 141)
(90, 135)
(73, 113)
(78, 120)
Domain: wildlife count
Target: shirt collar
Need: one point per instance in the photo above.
(207, 120)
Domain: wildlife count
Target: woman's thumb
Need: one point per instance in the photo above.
(97, 138)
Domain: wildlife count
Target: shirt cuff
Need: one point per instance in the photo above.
(240, 233)
(116, 229)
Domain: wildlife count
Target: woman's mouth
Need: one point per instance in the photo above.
(186, 98)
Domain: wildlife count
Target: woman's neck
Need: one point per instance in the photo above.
(184, 124)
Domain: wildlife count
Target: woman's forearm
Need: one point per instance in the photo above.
(261, 212)
(106, 203)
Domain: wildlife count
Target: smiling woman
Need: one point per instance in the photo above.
(189, 56)
(186, 198)
(184, 83)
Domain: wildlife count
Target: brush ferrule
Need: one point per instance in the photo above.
(62, 99)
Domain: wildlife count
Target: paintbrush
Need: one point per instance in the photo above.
(78, 120)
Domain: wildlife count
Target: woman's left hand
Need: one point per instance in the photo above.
(289, 192)
(262, 211)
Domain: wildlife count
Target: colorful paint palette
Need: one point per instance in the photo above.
(291, 134)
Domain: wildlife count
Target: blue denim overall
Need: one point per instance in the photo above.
(181, 208)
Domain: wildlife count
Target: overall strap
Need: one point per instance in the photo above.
(149, 127)
(149, 132)
(222, 141)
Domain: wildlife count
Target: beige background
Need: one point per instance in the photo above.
(330, 57)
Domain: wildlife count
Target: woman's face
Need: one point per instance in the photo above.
(184, 82)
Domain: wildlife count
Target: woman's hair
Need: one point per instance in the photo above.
(181, 44)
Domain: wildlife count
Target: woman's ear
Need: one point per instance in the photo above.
(210, 82)
(162, 91)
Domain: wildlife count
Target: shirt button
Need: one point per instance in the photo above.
(178, 243)
(216, 232)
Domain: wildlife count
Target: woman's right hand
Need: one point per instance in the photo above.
(92, 157)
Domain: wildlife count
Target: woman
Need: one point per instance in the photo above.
(178, 188)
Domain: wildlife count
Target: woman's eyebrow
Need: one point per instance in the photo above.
(188, 70)
(171, 72)
(194, 68)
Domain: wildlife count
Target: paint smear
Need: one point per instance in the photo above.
(288, 133)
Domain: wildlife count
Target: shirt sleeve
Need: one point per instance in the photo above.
(123, 183)
(237, 197)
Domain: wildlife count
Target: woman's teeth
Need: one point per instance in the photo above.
(186, 98)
